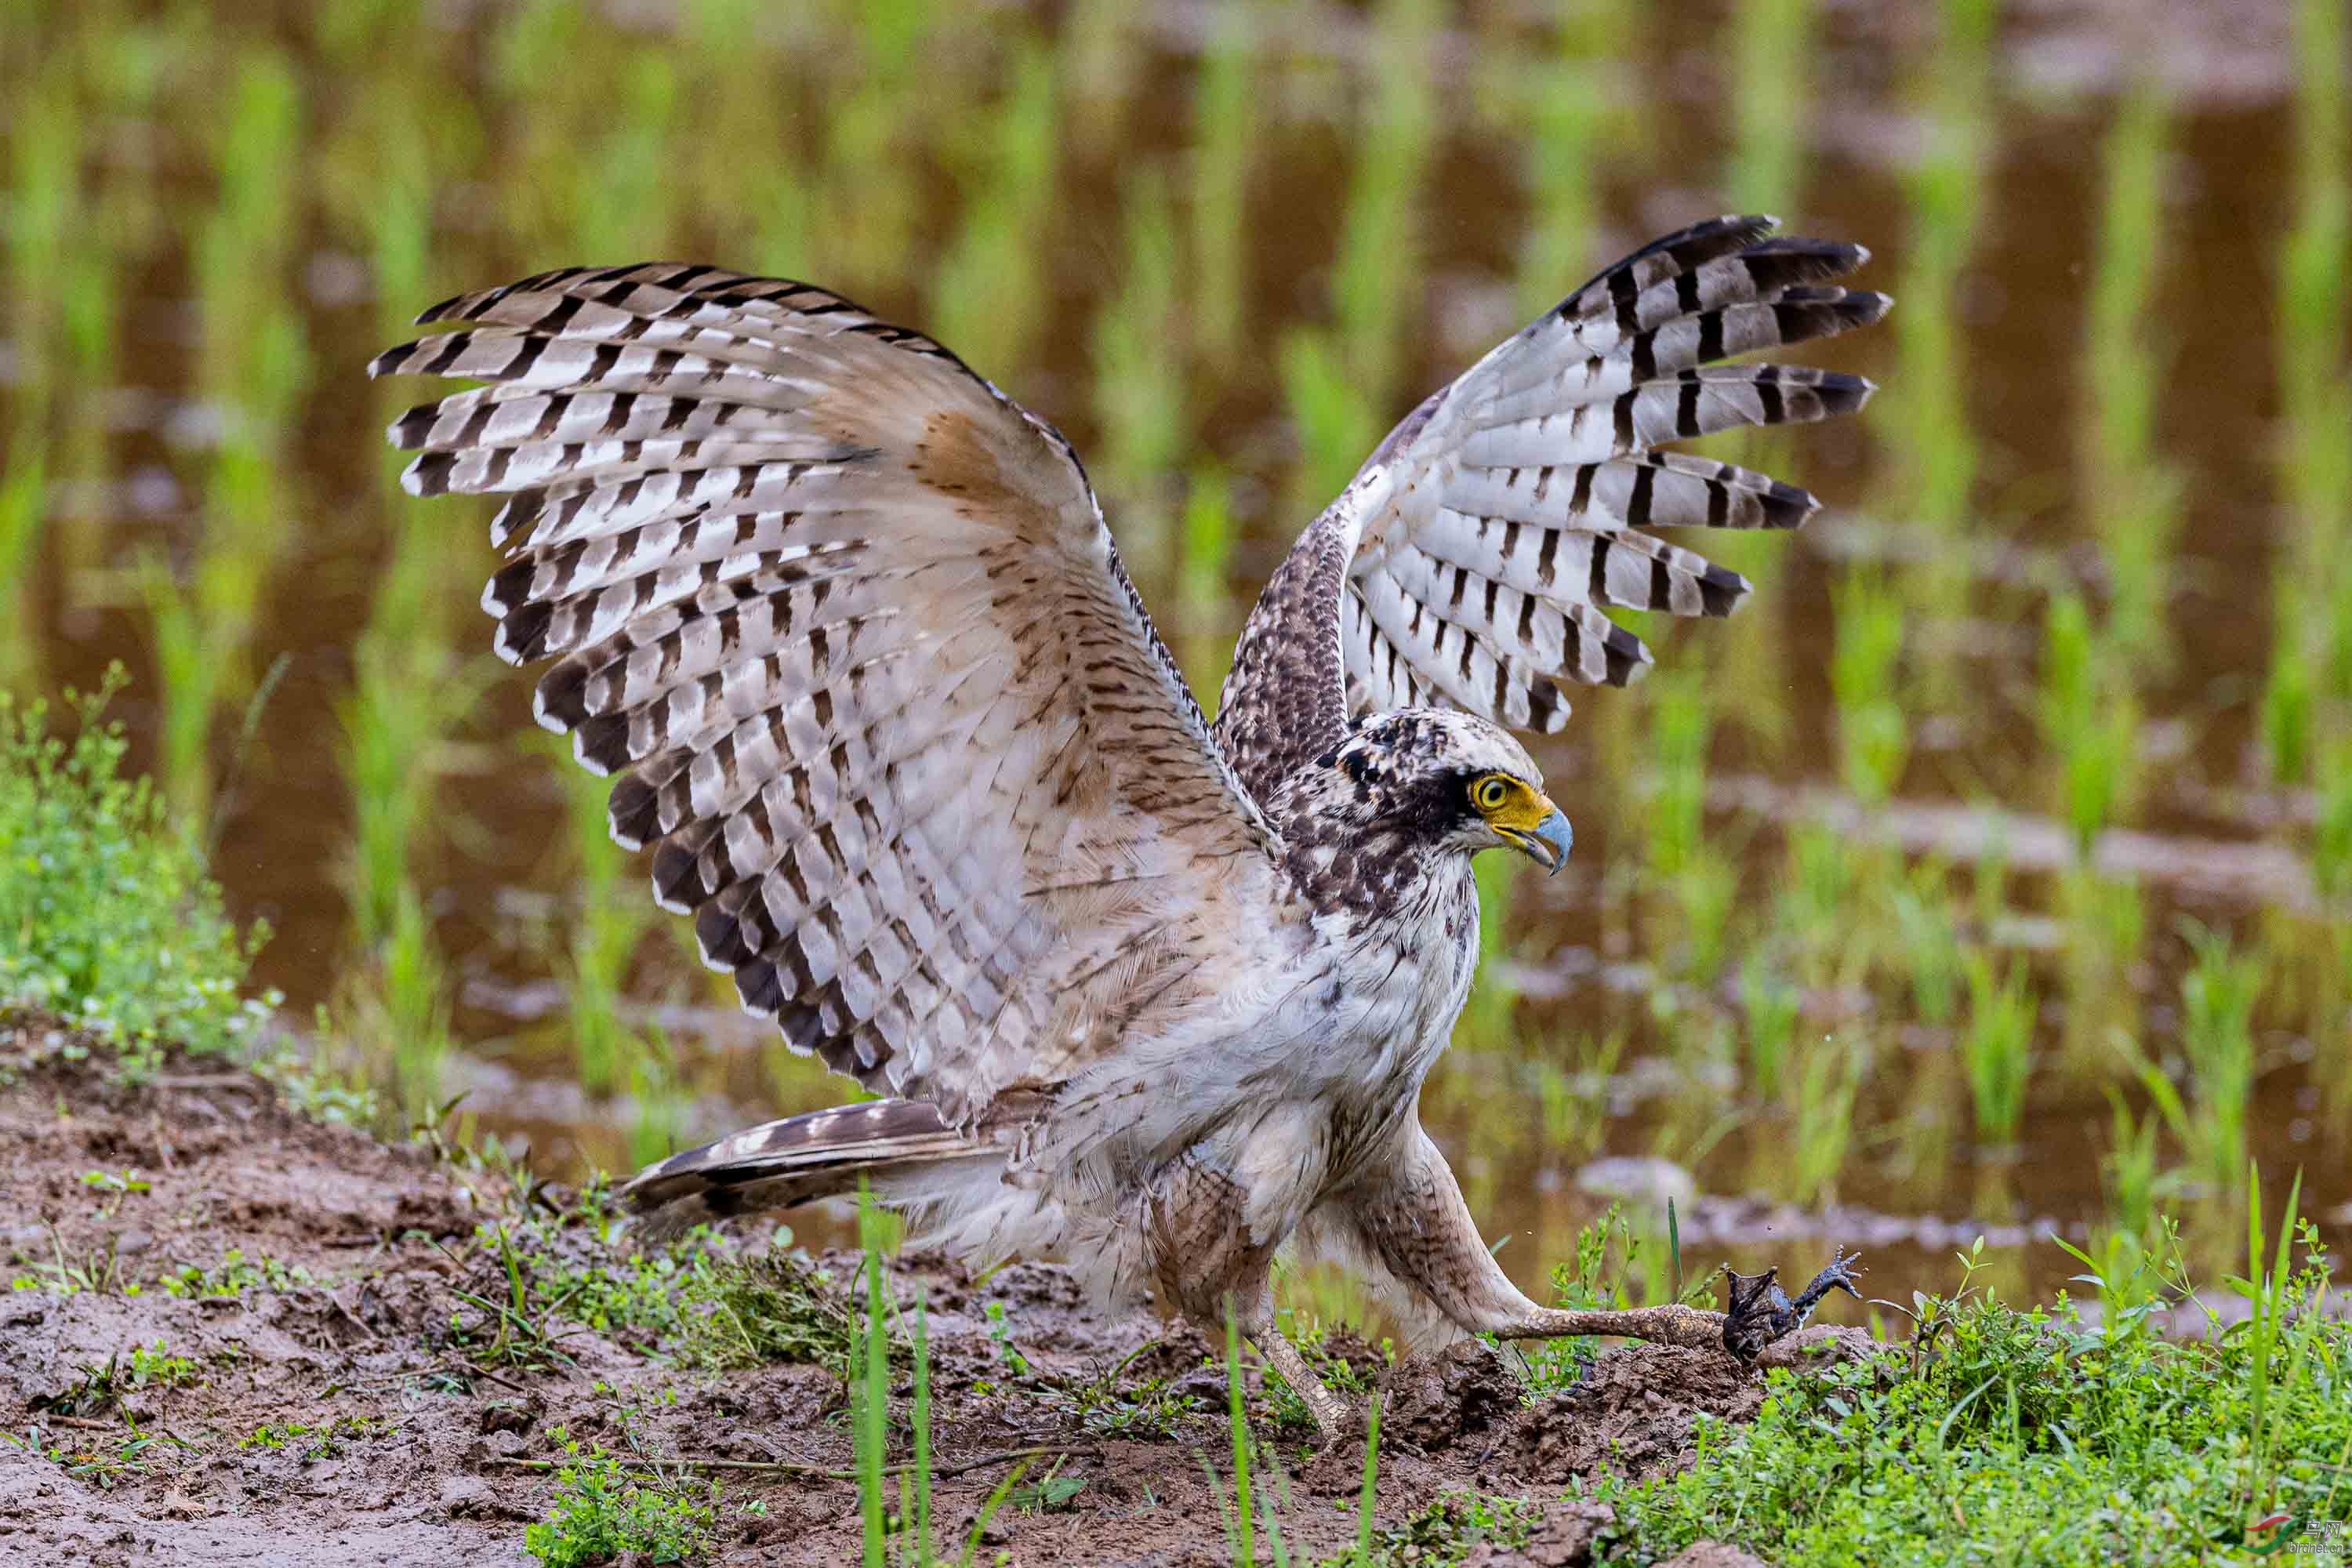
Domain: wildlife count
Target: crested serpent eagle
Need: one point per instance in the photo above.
(1149, 992)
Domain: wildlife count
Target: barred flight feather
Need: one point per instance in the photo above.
(845, 624)
(1484, 539)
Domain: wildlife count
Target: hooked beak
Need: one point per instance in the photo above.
(1547, 842)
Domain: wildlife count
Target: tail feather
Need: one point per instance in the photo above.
(795, 1160)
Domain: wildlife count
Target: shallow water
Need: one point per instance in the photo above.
(719, 132)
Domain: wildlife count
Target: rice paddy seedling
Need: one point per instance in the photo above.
(2208, 1113)
(1772, 1006)
(1697, 882)
(2290, 689)
(1224, 134)
(1682, 721)
(2089, 718)
(609, 920)
(1828, 1080)
(189, 681)
(1873, 733)
(1380, 262)
(24, 508)
(1816, 902)
(988, 295)
(2331, 834)
(1770, 53)
(1575, 1096)
(2102, 921)
(2132, 1178)
(44, 205)
(1572, 123)
(1704, 893)
(2217, 1009)
(1997, 1044)
(1333, 412)
(410, 1008)
(1204, 545)
(2312, 590)
(1926, 416)
(1927, 942)
(1139, 403)
(2134, 497)
(404, 701)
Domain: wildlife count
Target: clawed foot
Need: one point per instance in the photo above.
(1761, 1312)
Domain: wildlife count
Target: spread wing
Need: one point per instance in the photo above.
(1470, 560)
(846, 623)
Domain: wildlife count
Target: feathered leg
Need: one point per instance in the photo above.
(1208, 1266)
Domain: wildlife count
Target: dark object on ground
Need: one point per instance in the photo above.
(1760, 1311)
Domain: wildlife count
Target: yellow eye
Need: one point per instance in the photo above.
(1489, 792)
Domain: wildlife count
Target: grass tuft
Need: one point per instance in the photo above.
(107, 916)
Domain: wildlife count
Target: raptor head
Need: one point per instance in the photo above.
(1437, 779)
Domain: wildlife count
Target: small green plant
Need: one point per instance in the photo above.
(322, 1440)
(104, 1386)
(693, 1302)
(114, 1186)
(601, 1511)
(1052, 1492)
(1000, 1334)
(154, 1366)
(104, 1462)
(234, 1275)
(869, 1389)
(97, 1269)
(106, 917)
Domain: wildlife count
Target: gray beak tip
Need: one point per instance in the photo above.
(1558, 837)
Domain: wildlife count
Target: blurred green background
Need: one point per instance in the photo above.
(1987, 875)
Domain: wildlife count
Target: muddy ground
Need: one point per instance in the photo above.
(331, 1390)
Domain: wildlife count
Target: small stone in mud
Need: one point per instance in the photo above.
(512, 1415)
